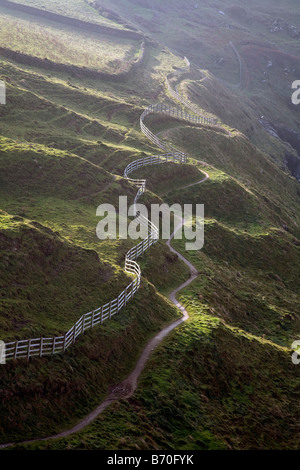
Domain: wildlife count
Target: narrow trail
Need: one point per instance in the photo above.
(127, 387)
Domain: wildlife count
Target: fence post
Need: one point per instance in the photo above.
(172, 156)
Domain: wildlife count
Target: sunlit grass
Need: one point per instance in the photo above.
(74, 8)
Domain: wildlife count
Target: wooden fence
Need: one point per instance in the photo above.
(174, 93)
(38, 347)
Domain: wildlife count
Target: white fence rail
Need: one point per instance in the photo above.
(43, 346)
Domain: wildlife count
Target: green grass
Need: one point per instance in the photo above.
(34, 256)
(207, 387)
(203, 34)
(254, 171)
(63, 44)
(168, 177)
(55, 392)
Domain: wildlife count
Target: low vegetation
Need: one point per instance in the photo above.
(63, 44)
(222, 380)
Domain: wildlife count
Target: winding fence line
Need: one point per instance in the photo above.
(43, 346)
(75, 70)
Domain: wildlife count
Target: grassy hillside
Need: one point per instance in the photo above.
(33, 256)
(252, 212)
(51, 185)
(208, 387)
(80, 9)
(52, 393)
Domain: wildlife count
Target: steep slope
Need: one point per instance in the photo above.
(50, 253)
(33, 256)
(209, 387)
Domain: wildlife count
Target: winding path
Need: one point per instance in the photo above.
(126, 388)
